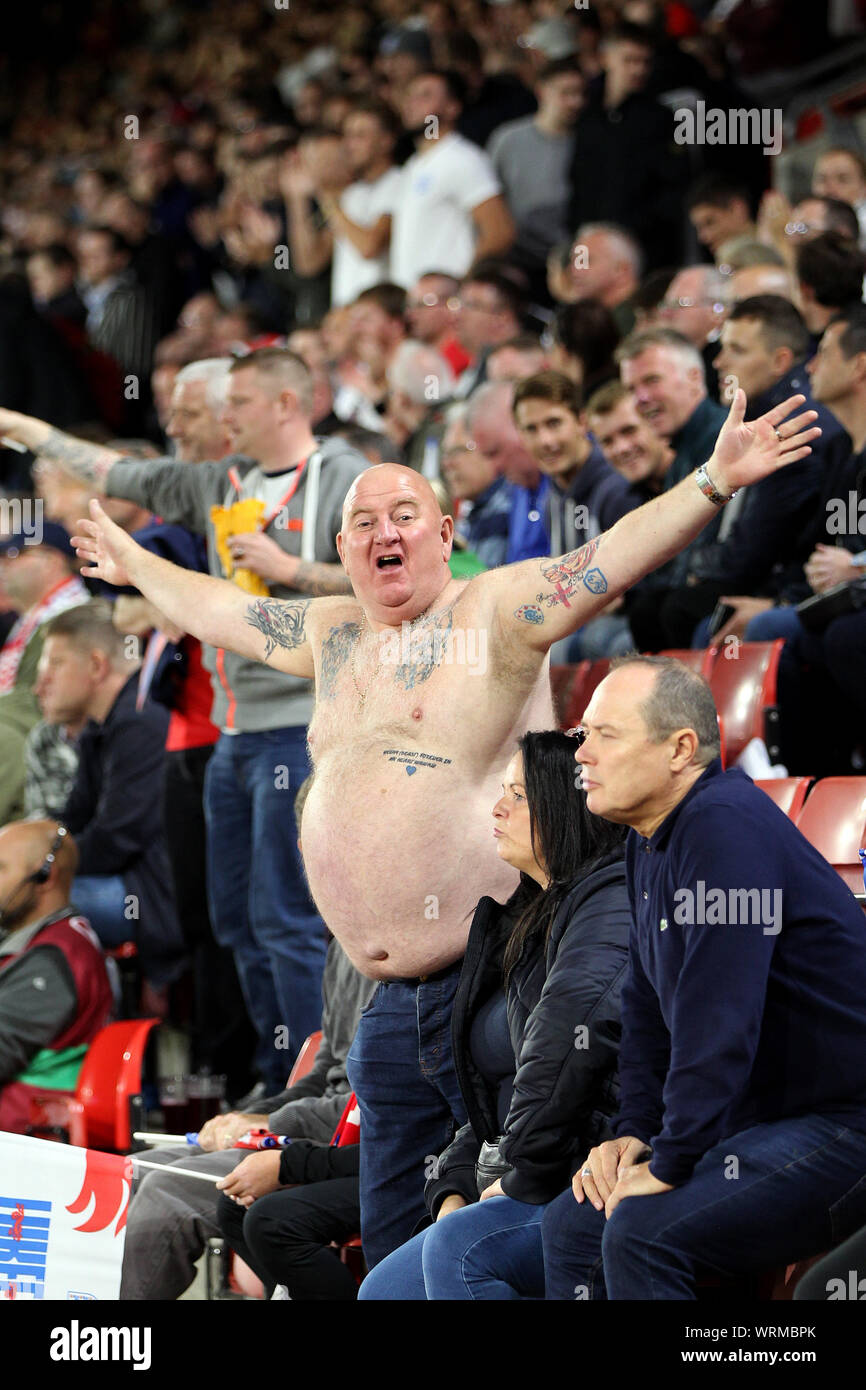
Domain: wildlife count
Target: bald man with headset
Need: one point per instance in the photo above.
(54, 989)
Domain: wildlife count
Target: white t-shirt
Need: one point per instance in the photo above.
(432, 227)
(363, 203)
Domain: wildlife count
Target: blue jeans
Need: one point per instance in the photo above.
(491, 1250)
(401, 1068)
(259, 903)
(797, 1187)
(101, 898)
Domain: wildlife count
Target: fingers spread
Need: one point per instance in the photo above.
(782, 411)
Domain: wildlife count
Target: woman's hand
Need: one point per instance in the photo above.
(494, 1190)
(453, 1202)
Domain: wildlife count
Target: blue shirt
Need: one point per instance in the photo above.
(737, 1010)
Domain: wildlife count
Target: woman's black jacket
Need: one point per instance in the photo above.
(563, 1006)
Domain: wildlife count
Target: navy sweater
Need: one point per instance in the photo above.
(737, 1011)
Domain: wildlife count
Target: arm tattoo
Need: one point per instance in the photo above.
(565, 577)
(280, 620)
(91, 463)
(319, 580)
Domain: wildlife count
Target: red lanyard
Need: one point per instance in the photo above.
(295, 525)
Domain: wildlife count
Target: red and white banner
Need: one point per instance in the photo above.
(62, 1220)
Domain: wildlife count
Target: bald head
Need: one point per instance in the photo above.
(394, 543)
(24, 848)
(761, 279)
(384, 478)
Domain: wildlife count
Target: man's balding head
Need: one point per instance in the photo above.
(25, 847)
(394, 543)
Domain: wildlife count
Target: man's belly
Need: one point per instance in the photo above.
(397, 859)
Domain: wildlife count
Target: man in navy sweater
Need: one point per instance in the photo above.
(741, 1136)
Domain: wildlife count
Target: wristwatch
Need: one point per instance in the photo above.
(709, 489)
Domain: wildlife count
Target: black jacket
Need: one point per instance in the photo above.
(115, 813)
(565, 1087)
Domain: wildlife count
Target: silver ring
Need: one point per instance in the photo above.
(778, 435)
(586, 1172)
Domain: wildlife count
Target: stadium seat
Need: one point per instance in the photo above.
(107, 1104)
(561, 682)
(305, 1059)
(743, 682)
(699, 659)
(789, 793)
(834, 821)
(588, 675)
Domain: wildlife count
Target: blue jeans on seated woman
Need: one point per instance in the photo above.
(491, 1250)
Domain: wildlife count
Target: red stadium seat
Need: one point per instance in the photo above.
(589, 674)
(699, 659)
(561, 682)
(789, 793)
(305, 1059)
(834, 821)
(100, 1114)
(743, 682)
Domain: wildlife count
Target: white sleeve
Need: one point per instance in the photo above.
(474, 178)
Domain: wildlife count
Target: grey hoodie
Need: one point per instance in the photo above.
(249, 697)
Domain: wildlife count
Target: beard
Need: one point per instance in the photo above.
(12, 917)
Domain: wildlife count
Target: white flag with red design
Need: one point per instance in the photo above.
(62, 1220)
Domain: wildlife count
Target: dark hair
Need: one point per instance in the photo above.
(841, 217)
(653, 288)
(716, 191)
(362, 439)
(852, 339)
(832, 268)
(626, 32)
(588, 330)
(390, 298)
(566, 838)
(558, 67)
(492, 274)
(782, 324)
(119, 243)
(548, 386)
(454, 83)
(380, 110)
(56, 254)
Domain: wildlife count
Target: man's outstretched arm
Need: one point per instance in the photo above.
(214, 610)
(540, 601)
(92, 463)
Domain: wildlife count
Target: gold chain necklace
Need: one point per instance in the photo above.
(362, 694)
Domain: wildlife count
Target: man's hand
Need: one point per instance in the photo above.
(104, 547)
(829, 565)
(745, 609)
(223, 1130)
(252, 550)
(453, 1202)
(254, 1177)
(605, 1163)
(635, 1181)
(747, 452)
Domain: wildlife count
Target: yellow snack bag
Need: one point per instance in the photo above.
(237, 520)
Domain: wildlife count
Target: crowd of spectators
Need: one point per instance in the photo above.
(458, 235)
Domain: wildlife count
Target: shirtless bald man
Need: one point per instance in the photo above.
(409, 741)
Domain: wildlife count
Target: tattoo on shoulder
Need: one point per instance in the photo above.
(565, 576)
(281, 621)
(336, 650)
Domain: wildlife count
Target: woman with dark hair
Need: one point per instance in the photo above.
(536, 1033)
(585, 337)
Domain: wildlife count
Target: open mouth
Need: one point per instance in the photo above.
(389, 562)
